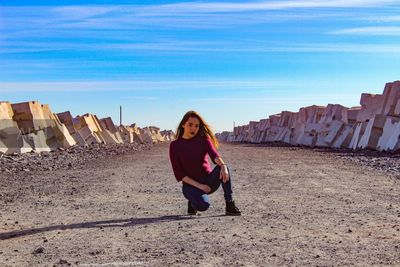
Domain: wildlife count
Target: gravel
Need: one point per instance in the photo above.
(62, 159)
(387, 162)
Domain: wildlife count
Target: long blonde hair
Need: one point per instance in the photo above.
(205, 129)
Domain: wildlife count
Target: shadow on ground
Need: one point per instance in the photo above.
(102, 224)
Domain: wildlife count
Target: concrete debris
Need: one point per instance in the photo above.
(32, 127)
(374, 125)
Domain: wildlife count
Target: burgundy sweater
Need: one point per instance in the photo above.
(189, 157)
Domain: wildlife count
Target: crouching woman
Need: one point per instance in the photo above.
(188, 156)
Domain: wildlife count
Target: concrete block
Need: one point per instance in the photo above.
(298, 133)
(89, 136)
(352, 114)
(358, 132)
(310, 135)
(335, 128)
(49, 117)
(108, 124)
(311, 114)
(286, 118)
(155, 134)
(334, 112)
(125, 134)
(131, 134)
(59, 130)
(274, 119)
(146, 136)
(30, 117)
(284, 135)
(317, 114)
(392, 96)
(252, 131)
(109, 137)
(11, 139)
(390, 138)
(79, 139)
(263, 124)
(370, 106)
(170, 136)
(273, 133)
(89, 128)
(287, 135)
(41, 140)
(344, 136)
(373, 132)
(109, 131)
(67, 119)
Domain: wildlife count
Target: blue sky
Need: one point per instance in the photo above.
(230, 61)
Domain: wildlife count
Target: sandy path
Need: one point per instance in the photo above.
(300, 207)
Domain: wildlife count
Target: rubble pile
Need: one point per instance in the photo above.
(375, 125)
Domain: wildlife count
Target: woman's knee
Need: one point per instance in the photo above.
(202, 203)
(203, 206)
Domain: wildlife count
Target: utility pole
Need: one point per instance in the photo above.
(233, 125)
(120, 115)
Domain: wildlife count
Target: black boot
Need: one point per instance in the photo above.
(191, 210)
(231, 209)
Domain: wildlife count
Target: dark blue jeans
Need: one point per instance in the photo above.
(199, 199)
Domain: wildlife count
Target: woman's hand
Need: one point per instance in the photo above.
(205, 188)
(224, 174)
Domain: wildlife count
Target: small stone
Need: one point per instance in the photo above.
(61, 261)
(38, 250)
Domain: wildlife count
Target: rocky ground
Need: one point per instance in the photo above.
(300, 206)
(387, 162)
(64, 158)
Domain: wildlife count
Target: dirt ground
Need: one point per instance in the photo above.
(301, 207)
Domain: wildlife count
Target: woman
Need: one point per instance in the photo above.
(188, 155)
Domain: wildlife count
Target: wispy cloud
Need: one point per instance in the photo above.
(303, 98)
(136, 85)
(51, 20)
(179, 15)
(245, 86)
(376, 30)
(381, 18)
(182, 46)
(82, 12)
(198, 7)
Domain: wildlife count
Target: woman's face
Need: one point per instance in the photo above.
(191, 127)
